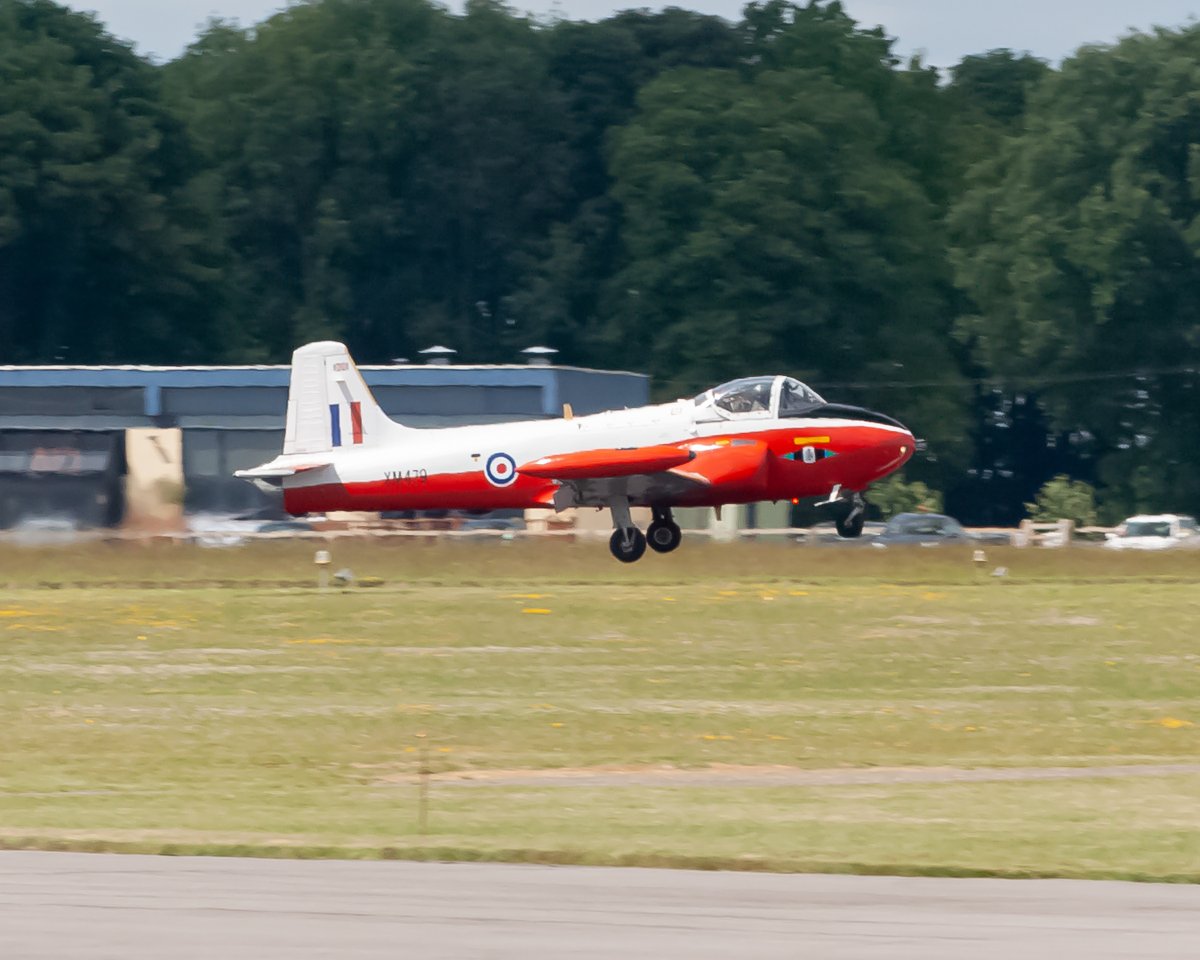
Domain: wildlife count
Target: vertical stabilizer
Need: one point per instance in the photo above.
(330, 406)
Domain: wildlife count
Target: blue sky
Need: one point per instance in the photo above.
(943, 30)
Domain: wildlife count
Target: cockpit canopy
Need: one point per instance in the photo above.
(758, 397)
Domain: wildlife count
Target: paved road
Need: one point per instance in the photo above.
(87, 906)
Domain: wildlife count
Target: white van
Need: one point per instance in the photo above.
(1155, 532)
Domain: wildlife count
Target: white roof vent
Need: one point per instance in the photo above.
(539, 356)
(438, 356)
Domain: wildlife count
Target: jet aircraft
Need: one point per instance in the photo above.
(758, 438)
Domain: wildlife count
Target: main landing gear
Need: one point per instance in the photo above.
(663, 533)
(628, 543)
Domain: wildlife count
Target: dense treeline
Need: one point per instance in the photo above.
(1005, 258)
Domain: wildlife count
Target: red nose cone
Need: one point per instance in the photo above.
(895, 450)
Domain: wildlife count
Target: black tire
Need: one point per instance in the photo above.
(663, 536)
(850, 526)
(627, 551)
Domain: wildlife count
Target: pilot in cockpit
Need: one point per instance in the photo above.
(752, 398)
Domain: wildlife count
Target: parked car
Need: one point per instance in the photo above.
(286, 526)
(1155, 532)
(826, 534)
(39, 531)
(931, 529)
(506, 526)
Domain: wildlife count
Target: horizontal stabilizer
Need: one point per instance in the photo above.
(278, 469)
(596, 464)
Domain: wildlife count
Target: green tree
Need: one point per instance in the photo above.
(600, 68)
(301, 122)
(997, 84)
(1078, 247)
(106, 252)
(774, 220)
(1062, 498)
(894, 495)
(385, 167)
(988, 95)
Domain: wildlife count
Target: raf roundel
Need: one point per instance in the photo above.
(500, 470)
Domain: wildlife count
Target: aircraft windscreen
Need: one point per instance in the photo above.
(751, 395)
(797, 398)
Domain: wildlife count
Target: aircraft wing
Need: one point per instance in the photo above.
(647, 474)
(604, 464)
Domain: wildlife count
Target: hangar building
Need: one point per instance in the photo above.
(66, 432)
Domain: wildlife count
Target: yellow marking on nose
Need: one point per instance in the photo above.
(804, 441)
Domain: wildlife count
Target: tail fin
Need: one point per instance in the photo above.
(330, 406)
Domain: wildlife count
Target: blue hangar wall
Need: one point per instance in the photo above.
(62, 428)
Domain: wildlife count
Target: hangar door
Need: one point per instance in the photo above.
(61, 474)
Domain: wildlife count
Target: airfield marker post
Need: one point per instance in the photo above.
(322, 560)
(423, 784)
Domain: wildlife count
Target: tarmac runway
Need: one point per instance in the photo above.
(90, 906)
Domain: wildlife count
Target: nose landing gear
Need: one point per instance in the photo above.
(850, 517)
(851, 525)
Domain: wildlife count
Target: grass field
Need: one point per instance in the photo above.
(763, 706)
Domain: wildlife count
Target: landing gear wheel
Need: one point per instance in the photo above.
(663, 536)
(627, 545)
(851, 525)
